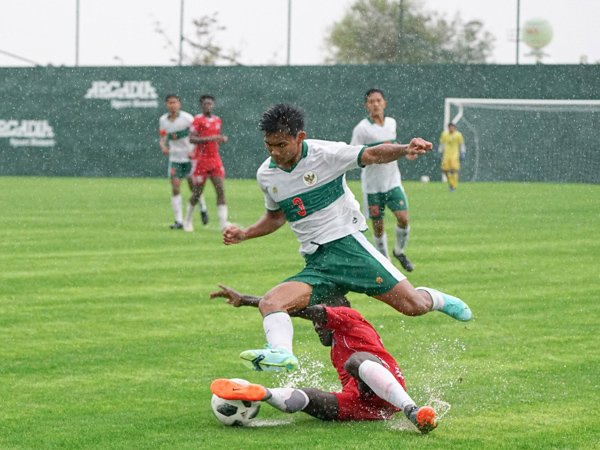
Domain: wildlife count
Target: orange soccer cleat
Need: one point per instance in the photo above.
(232, 390)
(425, 419)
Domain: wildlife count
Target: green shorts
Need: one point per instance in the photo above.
(394, 199)
(180, 170)
(347, 264)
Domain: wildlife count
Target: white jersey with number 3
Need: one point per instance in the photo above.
(313, 194)
(377, 177)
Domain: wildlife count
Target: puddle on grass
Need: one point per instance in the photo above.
(265, 423)
(401, 423)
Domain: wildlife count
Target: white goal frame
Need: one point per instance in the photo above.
(515, 104)
(511, 103)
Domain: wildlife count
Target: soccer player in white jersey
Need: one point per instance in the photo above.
(303, 183)
(174, 128)
(381, 183)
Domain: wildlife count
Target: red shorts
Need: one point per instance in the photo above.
(356, 405)
(207, 168)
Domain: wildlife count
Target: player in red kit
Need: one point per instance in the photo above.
(205, 132)
(373, 386)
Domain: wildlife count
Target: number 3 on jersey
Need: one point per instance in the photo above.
(297, 201)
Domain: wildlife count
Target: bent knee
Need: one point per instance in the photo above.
(356, 359)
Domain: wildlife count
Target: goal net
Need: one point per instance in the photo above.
(528, 140)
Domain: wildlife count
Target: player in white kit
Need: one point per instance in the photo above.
(303, 183)
(382, 183)
(174, 128)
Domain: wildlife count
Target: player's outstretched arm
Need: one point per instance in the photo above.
(235, 298)
(315, 313)
(271, 221)
(384, 153)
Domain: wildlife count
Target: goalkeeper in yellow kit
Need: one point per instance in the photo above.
(452, 151)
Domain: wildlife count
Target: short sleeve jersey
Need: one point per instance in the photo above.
(451, 143)
(313, 194)
(377, 178)
(351, 334)
(177, 133)
(207, 126)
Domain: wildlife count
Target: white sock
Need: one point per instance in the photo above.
(384, 384)
(288, 400)
(381, 244)
(401, 239)
(177, 209)
(202, 203)
(189, 213)
(222, 214)
(436, 298)
(279, 330)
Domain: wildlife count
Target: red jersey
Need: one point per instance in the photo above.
(351, 334)
(207, 126)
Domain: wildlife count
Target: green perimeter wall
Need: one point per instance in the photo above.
(75, 132)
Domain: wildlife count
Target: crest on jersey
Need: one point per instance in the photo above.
(310, 178)
(274, 189)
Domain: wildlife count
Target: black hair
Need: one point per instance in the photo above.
(450, 124)
(206, 97)
(374, 91)
(171, 96)
(282, 118)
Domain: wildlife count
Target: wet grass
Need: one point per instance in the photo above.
(108, 339)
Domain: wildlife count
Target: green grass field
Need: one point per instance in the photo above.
(108, 339)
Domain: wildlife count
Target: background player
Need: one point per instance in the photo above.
(206, 134)
(452, 151)
(303, 182)
(373, 387)
(382, 183)
(174, 142)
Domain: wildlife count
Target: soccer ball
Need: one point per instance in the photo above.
(234, 412)
(425, 179)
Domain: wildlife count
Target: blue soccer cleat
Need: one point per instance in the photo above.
(456, 308)
(270, 359)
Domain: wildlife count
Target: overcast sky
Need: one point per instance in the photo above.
(116, 32)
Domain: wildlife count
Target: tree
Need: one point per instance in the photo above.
(203, 49)
(394, 32)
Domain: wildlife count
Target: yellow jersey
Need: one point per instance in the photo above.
(452, 143)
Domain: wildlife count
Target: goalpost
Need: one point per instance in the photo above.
(528, 139)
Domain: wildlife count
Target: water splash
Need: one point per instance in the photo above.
(439, 372)
(440, 406)
(309, 374)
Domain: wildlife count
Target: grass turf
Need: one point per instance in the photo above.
(109, 339)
